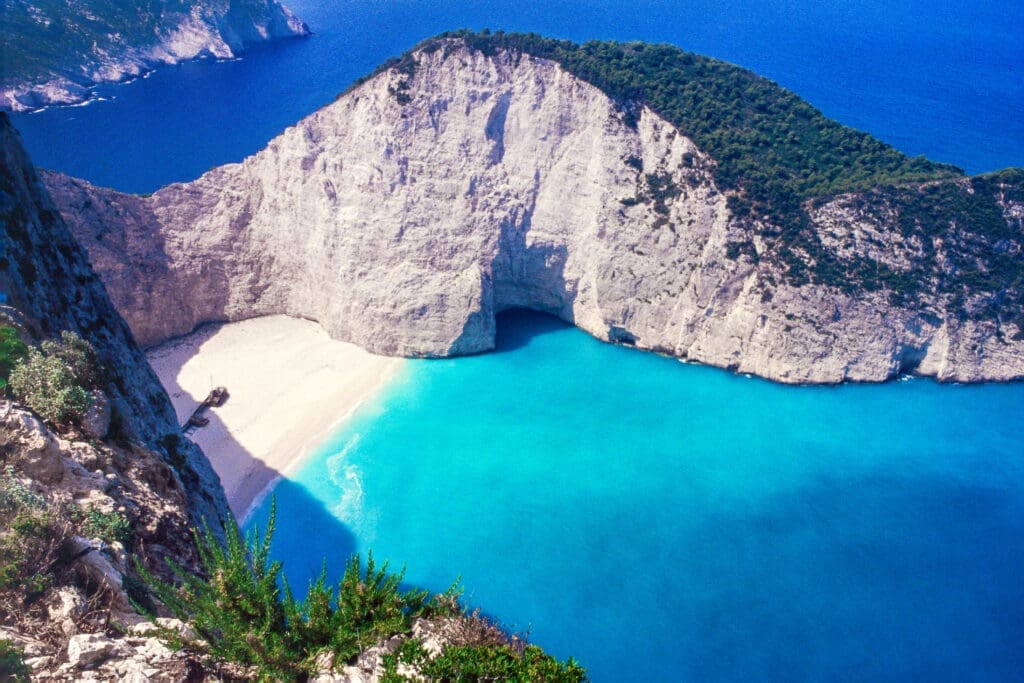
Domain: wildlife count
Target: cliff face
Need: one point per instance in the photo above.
(47, 284)
(55, 51)
(408, 213)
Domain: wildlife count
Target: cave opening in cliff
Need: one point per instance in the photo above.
(516, 327)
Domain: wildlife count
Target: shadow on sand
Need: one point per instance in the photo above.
(307, 535)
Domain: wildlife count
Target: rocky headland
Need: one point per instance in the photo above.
(55, 52)
(480, 173)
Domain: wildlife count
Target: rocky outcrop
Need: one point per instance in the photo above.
(83, 625)
(438, 193)
(100, 43)
(48, 286)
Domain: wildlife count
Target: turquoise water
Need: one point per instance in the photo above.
(663, 522)
(658, 521)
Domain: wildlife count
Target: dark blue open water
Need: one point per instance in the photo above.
(658, 521)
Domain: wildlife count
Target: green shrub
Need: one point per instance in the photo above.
(108, 526)
(12, 350)
(31, 538)
(246, 614)
(237, 607)
(473, 663)
(15, 496)
(78, 355)
(12, 663)
(53, 380)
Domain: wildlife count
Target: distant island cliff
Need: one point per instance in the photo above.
(54, 52)
(649, 196)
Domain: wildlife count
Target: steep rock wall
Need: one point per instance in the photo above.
(408, 213)
(47, 284)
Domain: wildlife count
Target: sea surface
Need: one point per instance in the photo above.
(943, 78)
(658, 521)
(668, 522)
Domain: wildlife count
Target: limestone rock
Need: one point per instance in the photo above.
(87, 649)
(96, 420)
(64, 606)
(50, 286)
(96, 566)
(405, 224)
(38, 452)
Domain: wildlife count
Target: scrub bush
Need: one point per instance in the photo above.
(53, 380)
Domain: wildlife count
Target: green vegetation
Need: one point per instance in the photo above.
(48, 38)
(774, 155)
(32, 534)
(54, 379)
(482, 662)
(110, 527)
(770, 145)
(979, 257)
(13, 668)
(12, 350)
(245, 612)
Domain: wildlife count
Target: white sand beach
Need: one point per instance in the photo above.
(289, 384)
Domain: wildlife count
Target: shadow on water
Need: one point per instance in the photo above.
(307, 531)
(307, 536)
(517, 327)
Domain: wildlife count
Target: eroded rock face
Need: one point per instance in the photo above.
(66, 632)
(408, 213)
(48, 286)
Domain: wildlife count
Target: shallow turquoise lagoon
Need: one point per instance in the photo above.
(664, 522)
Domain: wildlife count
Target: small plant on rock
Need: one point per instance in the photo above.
(12, 663)
(12, 350)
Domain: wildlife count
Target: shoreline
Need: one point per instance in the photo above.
(315, 441)
(289, 387)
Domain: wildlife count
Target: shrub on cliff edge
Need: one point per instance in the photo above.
(12, 350)
(53, 380)
(246, 614)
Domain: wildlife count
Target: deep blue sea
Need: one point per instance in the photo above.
(658, 521)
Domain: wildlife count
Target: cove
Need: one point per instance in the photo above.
(664, 522)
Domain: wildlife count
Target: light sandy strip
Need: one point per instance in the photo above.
(289, 383)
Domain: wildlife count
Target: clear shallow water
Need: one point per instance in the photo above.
(668, 522)
(934, 77)
(658, 521)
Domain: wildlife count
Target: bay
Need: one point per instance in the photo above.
(657, 521)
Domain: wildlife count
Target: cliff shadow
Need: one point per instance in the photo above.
(307, 533)
(226, 455)
(515, 328)
(308, 537)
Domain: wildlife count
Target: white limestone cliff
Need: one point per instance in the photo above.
(410, 211)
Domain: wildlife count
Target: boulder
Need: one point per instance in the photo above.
(88, 649)
(64, 606)
(40, 454)
(96, 420)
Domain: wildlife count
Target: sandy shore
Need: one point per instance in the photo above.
(289, 385)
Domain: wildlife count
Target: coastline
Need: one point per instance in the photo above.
(289, 387)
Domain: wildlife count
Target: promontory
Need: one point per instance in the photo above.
(649, 196)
